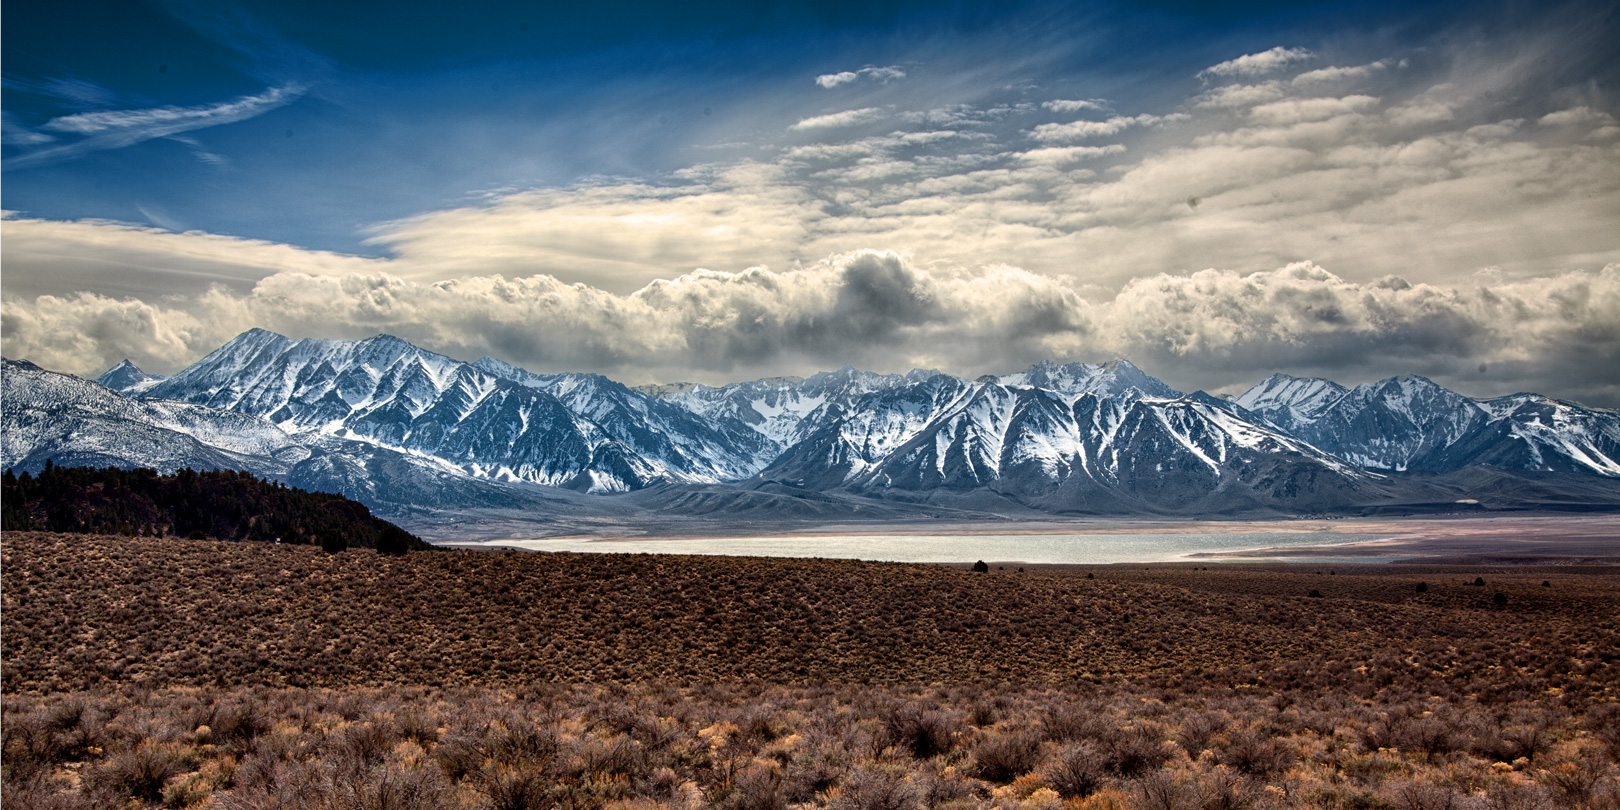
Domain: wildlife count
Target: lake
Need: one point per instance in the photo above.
(955, 548)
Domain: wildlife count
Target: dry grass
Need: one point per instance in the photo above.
(757, 747)
(143, 673)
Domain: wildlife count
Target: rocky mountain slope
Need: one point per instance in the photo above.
(395, 425)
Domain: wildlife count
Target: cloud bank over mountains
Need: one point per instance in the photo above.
(1446, 210)
(882, 311)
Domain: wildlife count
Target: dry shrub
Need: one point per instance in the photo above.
(417, 726)
(1076, 770)
(1162, 790)
(615, 756)
(923, 732)
(366, 744)
(1004, 756)
(519, 741)
(1516, 796)
(508, 787)
(138, 773)
(393, 786)
(879, 788)
(758, 786)
(235, 724)
(1071, 722)
(1133, 751)
(1254, 752)
(1224, 789)
(1198, 729)
(1575, 780)
(29, 747)
(1412, 730)
(1527, 740)
(821, 767)
(1418, 794)
(41, 794)
(1603, 721)
(945, 787)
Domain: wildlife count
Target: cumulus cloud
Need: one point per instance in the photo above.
(1329, 75)
(115, 129)
(1080, 130)
(1075, 105)
(1256, 64)
(1210, 329)
(877, 74)
(1576, 116)
(861, 307)
(1483, 338)
(1241, 95)
(1069, 154)
(1421, 113)
(1303, 110)
(847, 118)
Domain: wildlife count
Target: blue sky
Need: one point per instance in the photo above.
(392, 109)
(713, 191)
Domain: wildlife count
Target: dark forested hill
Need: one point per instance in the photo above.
(222, 504)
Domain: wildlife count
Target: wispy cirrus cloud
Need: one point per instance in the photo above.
(116, 129)
(1255, 64)
(77, 92)
(14, 133)
(877, 74)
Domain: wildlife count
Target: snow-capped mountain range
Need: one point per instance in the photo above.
(400, 427)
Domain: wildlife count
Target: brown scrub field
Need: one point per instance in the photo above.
(142, 672)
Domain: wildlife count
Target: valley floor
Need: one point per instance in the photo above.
(139, 672)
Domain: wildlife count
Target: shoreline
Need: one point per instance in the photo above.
(1541, 539)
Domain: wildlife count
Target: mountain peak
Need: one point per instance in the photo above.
(1289, 403)
(917, 375)
(126, 376)
(1114, 378)
(1407, 387)
(385, 339)
(257, 335)
(495, 365)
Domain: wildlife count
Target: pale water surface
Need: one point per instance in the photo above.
(956, 548)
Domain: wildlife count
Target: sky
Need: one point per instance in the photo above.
(713, 192)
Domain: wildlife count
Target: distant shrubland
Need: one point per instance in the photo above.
(89, 611)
